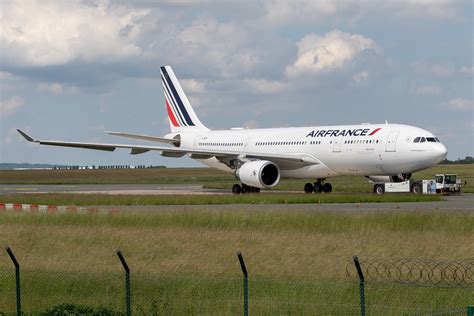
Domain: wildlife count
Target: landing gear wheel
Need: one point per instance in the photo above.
(318, 187)
(416, 188)
(327, 188)
(379, 189)
(245, 189)
(236, 189)
(308, 188)
(254, 190)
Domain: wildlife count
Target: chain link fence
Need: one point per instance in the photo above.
(414, 286)
(104, 293)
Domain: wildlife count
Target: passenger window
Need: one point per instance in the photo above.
(417, 140)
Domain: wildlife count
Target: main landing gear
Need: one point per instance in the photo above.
(244, 189)
(318, 187)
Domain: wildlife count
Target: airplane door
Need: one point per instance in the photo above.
(337, 145)
(392, 141)
(247, 144)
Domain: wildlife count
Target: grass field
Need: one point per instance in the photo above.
(207, 177)
(262, 198)
(184, 262)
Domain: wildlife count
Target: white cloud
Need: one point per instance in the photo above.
(317, 54)
(434, 9)
(360, 77)
(468, 70)
(265, 86)
(225, 47)
(250, 124)
(45, 33)
(10, 105)
(56, 88)
(282, 11)
(4, 75)
(279, 11)
(192, 85)
(442, 69)
(460, 104)
(429, 89)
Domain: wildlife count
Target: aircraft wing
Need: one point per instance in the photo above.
(223, 155)
(146, 137)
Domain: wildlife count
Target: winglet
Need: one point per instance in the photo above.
(26, 136)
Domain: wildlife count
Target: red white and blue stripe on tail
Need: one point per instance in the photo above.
(180, 111)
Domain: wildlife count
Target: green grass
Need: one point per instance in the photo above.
(265, 220)
(223, 295)
(115, 176)
(262, 198)
(209, 178)
(184, 262)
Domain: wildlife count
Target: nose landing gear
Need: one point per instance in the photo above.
(318, 187)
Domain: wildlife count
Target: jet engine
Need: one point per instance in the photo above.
(384, 179)
(259, 173)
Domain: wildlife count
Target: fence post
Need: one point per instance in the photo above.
(17, 280)
(470, 311)
(246, 283)
(128, 296)
(361, 285)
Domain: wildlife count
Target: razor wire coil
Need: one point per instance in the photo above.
(442, 273)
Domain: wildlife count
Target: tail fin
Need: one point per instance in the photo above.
(180, 112)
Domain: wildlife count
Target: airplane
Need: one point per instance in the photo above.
(259, 158)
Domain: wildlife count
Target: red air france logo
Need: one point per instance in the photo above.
(344, 132)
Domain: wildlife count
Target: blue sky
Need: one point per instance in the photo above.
(74, 69)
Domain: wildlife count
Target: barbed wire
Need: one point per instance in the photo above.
(422, 272)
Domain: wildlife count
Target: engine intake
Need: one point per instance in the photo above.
(260, 174)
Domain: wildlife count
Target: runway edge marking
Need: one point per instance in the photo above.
(55, 209)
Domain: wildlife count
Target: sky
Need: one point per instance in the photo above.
(71, 70)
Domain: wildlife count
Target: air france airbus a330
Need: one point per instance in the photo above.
(260, 157)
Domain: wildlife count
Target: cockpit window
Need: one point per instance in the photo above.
(426, 139)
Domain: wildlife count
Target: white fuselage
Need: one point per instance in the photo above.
(367, 149)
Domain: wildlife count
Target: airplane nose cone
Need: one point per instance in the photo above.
(440, 152)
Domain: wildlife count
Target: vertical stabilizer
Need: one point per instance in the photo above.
(180, 112)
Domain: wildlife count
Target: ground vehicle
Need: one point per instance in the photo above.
(414, 186)
(441, 184)
(447, 184)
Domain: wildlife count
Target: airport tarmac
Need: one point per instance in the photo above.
(464, 202)
(137, 189)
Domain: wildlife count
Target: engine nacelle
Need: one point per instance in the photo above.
(260, 174)
(386, 179)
